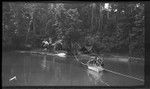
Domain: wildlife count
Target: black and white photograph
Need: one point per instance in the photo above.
(73, 44)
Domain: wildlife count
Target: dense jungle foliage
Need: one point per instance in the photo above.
(108, 27)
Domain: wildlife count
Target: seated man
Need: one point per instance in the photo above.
(57, 45)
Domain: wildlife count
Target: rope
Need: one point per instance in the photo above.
(113, 72)
(104, 83)
(87, 65)
(84, 70)
(124, 75)
(100, 80)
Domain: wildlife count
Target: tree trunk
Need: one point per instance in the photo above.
(100, 18)
(29, 27)
(34, 31)
(100, 25)
(47, 24)
(92, 19)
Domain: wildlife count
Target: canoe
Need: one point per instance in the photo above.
(95, 68)
(89, 61)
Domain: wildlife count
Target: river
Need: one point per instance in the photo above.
(25, 69)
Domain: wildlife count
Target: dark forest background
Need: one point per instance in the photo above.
(109, 27)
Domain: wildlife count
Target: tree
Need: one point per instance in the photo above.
(107, 26)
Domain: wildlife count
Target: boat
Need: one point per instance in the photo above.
(61, 54)
(94, 63)
(96, 68)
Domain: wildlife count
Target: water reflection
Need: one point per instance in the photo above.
(44, 64)
(42, 70)
(94, 77)
(52, 66)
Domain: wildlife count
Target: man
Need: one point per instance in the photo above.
(57, 45)
(45, 44)
(88, 49)
(84, 50)
(50, 40)
(50, 44)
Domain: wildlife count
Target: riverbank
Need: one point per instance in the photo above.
(106, 56)
(123, 58)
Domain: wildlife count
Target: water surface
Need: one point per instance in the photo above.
(42, 70)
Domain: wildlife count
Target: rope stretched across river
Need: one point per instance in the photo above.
(86, 64)
(113, 72)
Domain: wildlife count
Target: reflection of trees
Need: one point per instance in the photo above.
(45, 64)
(55, 67)
(57, 70)
(95, 76)
(52, 66)
(27, 69)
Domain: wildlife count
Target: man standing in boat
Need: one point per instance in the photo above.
(89, 50)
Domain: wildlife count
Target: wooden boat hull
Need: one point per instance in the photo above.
(96, 68)
(85, 59)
